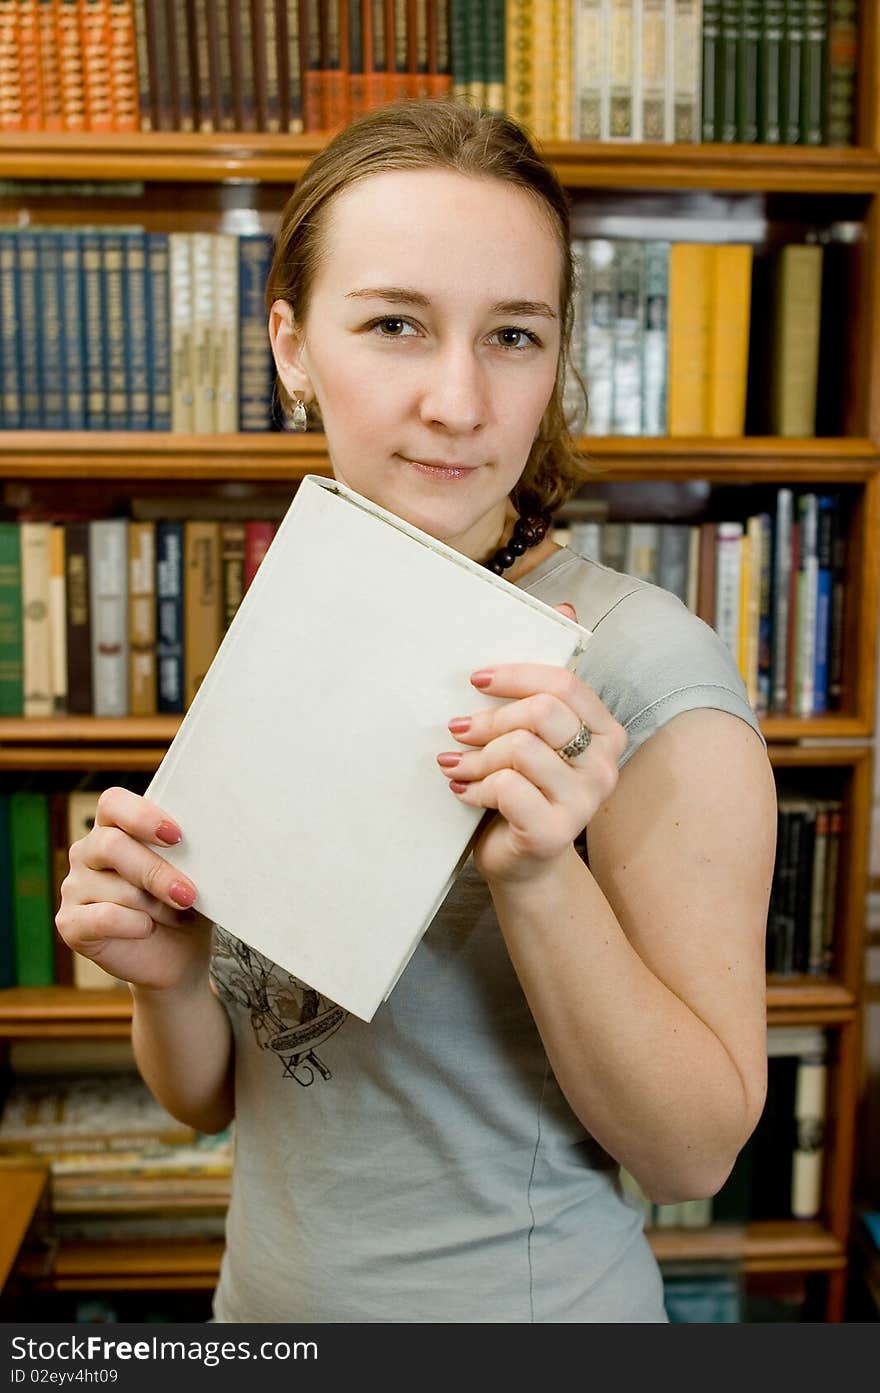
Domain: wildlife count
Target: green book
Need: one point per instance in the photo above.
(795, 352)
(748, 44)
(711, 42)
(813, 64)
(840, 72)
(791, 85)
(33, 910)
(11, 632)
(725, 90)
(770, 72)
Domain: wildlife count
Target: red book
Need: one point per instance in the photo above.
(258, 533)
(706, 579)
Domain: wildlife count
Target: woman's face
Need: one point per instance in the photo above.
(432, 337)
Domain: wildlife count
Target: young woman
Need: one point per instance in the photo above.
(457, 1159)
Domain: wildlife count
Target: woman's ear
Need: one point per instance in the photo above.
(288, 349)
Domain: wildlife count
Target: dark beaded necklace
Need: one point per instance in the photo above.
(527, 532)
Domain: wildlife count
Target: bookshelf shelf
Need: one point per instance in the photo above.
(167, 456)
(177, 1264)
(208, 158)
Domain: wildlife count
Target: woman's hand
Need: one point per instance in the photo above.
(543, 801)
(125, 907)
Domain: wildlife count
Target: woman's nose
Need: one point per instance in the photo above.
(455, 391)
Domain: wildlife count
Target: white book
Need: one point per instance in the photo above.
(317, 825)
(108, 605)
(35, 605)
(728, 578)
(204, 281)
(590, 67)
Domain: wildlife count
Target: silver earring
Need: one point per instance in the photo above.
(300, 419)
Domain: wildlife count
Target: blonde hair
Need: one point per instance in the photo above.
(439, 133)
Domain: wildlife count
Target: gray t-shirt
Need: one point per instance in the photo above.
(426, 1167)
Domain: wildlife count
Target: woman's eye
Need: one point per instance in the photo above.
(520, 334)
(382, 323)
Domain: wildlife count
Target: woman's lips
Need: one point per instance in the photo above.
(440, 471)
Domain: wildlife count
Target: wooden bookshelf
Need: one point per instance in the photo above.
(187, 180)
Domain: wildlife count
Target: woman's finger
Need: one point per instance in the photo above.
(136, 815)
(98, 887)
(527, 753)
(110, 848)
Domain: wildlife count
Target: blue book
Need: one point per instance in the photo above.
(7, 939)
(73, 329)
(169, 616)
(54, 366)
(115, 327)
(95, 330)
(137, 364)
(10, 334)
(828, 505)
(256, 378)
(158, 302)
(31, 337)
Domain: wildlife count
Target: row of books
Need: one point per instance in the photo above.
(803, 899)
(663, 334)
(778, 1174)
(773, 587)
(37, 829)
(118, 616)
(122, 329)
(761, 71)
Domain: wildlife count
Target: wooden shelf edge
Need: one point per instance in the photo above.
(777, 1245)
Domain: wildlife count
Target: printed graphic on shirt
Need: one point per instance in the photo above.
(286, 1016)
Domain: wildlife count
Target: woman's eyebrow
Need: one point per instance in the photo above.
(400, 295)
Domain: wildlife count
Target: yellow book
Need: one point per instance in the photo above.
(518, 85)
(202, 600)
(562, 80)
(690, 281)
(58, 619)
(544, 71)
(729, 339)
(795, 362)
(142, 618)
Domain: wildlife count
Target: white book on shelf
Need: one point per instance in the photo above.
(317, 826)
(728, 578)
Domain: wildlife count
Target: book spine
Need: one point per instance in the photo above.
(224, 335)
(840, 77)
(29, 66)
(159, 314)
(621, 119)
(685, 65)
(731, 286)
(10, 333)
(70, 65)
(11, 619)
(728, 576)
(690, 320)
(708, 570)
(839, 548)
(765, 620)
(354, 59)
(439, 70)
(600, 335)
(54, 415)
(375, 53)
(752, 614)
(7, 902)
(258, 534)
(169, 616)
(11, 112)
(589, 49)
(50, 72)
(73, 333)
(419, 29)
(147, 115)
(79, 624)
(796, 340)
(652, 103)
(748, 46)
(711, 63)
(221, 65)
(826, 506)
(813, 64)
(807, 1161)
(781, 588)
(57, 620)
(32, 889)
(94, 41)
(115, 329)
(808, 566)
(183, 377)
(36, 649)
(195, 24)
(94, 319)
(312, 76)
(835, 832)
(124, 90)
(791, 88)
(396, 31)
(138, 330)
(673, 559)
(180, 75)
(817, 888)
(142, 618)
(770, 73)
(626, 404)
(232, 549)
(108, 598)
(517, 56)
(725, 92)
(494, 44)
(202, 310)
(202, 602)
(31, 339)
(257, 368)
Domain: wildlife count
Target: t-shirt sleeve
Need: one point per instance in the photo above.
(649, 658)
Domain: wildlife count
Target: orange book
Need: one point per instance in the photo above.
(70, 64)
(312, 75)
(50, 74)
(95, 40)
(376, 76)
(334, 18)
(203, 602)
(11, 109)
(124, 94)
(690, 283)
(29, 66)
(729, 339)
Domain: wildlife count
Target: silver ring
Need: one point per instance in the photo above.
(576, 745)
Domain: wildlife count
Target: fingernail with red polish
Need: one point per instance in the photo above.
(483, 678)
(182, 894)
(168, 833)
(448, 761)
(457, 787)
(459, 724)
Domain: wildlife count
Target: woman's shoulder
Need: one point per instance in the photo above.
(648, 657)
